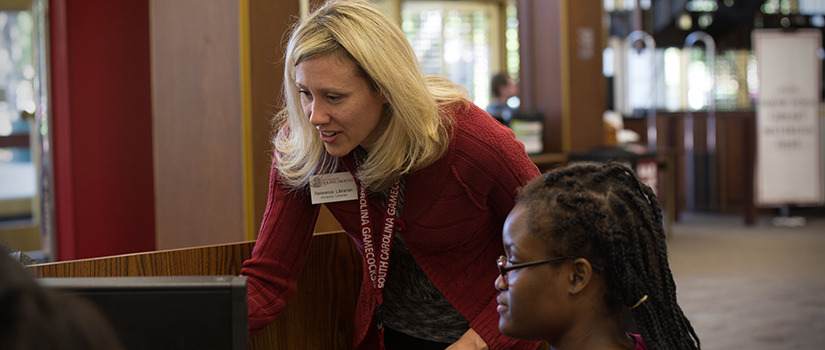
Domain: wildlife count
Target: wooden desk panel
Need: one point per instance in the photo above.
(319, 316)
(225, 259)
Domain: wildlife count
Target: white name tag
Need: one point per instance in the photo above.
(330, 188)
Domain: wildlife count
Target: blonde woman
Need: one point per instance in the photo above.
(420, 178)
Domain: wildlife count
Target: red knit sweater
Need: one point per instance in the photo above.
(453, 214)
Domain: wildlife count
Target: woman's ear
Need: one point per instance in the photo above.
(581, 274)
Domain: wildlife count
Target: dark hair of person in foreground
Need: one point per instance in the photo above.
(34, 318)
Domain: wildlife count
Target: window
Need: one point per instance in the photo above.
(456, 40)
(21, 133)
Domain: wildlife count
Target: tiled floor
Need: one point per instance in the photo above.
(758, 287)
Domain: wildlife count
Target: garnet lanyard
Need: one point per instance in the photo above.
(378, 258)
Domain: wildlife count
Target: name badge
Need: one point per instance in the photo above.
(329, 188)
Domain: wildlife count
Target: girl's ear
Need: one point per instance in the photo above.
(581, 273)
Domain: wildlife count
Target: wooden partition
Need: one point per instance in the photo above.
(319, 316)
(560, 45)
(725, 183)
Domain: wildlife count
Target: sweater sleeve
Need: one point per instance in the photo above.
(490, 151)
(493, 165)
(501, 200)
(515, 171)
(279, 253)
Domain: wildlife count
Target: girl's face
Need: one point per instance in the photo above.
(340, 103)
(532, 302)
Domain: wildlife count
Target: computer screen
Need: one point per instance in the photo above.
(176, 312)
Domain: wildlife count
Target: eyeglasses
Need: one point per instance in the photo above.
(503, 268)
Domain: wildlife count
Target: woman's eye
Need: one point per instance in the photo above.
(333, 98)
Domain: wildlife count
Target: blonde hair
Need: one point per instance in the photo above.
(416, 117)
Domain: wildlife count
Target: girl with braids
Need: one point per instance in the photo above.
(583, 244)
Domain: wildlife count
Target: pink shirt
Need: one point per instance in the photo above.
(640, 344)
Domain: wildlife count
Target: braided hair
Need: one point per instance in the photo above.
(603, 212)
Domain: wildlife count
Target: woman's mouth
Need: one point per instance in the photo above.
(328, 136)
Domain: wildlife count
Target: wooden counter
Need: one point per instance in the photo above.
(319, 316)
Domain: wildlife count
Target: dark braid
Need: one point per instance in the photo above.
(604, 213)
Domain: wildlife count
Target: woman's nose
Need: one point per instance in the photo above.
(317, 115)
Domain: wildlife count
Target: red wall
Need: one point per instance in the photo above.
(101, 124)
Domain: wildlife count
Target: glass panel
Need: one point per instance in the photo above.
(671, 99)
(21, 87)
(683, 80)
(17, 189)
(511, 40)
(699, 81)
(641, 76)
(812, 7)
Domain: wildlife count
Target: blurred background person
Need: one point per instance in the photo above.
(502, 87)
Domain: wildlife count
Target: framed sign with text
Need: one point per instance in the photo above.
(788, 153)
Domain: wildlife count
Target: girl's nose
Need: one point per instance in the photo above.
(500, 285)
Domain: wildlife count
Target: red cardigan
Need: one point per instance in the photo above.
(453, 213)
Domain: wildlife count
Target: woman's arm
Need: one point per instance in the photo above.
(279, 254)
(469, 341)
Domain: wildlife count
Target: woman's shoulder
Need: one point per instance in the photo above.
(481, 142)
(476, 132)
(470, 121)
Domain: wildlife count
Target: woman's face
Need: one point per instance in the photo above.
(340, 103)
(532, 302)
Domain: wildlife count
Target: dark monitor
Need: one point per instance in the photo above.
(177, 312)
